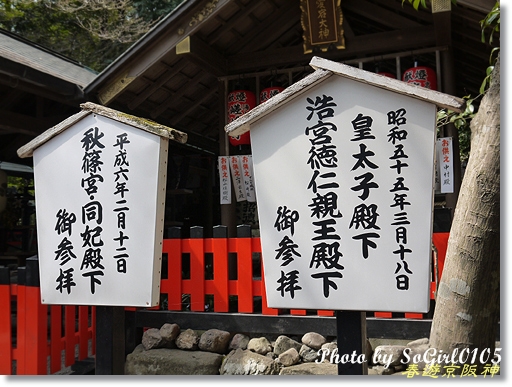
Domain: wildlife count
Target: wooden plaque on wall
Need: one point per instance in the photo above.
(322, 24)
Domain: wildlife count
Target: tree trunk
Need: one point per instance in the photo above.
(467, 303)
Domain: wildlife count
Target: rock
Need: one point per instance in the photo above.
(311, 369)
(187, 340)
(381, 370)
(239, 341)
(416, 350)
(214, 340)
(313, 340)
(284, 343)
(240, 362)
(259, 345)
(152, 339)
(389, 355)
(289, 357)
(308, 354)
(326, 351)
(165, 361)
(169, 332)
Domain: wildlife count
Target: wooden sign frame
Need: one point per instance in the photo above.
(322, 24)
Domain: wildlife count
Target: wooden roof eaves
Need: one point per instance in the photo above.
(159, 41)
(324, 69)
(363, 45)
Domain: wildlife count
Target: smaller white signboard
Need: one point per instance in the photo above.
(445, 164)
(247, 173)
(224, 180)
(100, 196)
(238, 179)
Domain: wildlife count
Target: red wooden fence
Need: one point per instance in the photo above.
(37, 336)
(246, 287)
(40, 339)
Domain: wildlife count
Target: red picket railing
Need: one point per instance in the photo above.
(40, 339)
(246, 287)
(33, 342)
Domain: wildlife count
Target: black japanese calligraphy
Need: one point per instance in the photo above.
(323, 160)
(397, 135)
(364, 216)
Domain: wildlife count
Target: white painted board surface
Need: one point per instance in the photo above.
(326, 179)
(100, 192)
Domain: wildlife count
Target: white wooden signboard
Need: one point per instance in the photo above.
(344, 176)
(100, 195)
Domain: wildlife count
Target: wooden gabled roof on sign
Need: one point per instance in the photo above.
(180, 72)
(325, 69)
(91, 108)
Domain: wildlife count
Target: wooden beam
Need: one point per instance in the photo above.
(443, 28)
(154, 86)
(273, 25)
(11, 122)
(202, 54)
(31, 88)
(227, 26)
(365, 45)
(382, 16)
(176, 94)
(176, 119)
(407, 9)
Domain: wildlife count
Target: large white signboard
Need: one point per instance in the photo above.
(344, 180)
(100, 191)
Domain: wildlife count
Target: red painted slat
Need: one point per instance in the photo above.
(83, 326)
(245, 294)
(416, 316)
(173, 284)
(21, 327)
(5, 330)
(69, 334)
(383, 314)
(56, 344)
(36, 341)
(264, 305)
(196, 249)
(220, 274)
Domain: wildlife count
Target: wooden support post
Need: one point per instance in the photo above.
(351, 332)
(110, 340)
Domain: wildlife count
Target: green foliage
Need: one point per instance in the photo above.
(92, 32)
(154, 9)
(490, 22)
(461, 121)
(416, 3)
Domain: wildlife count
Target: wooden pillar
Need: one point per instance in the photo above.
(442, 22)
(110, 340)
(351, 337)
(227, 211)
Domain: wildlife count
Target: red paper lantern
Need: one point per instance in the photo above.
(269, 92)
(240, 102)
(421, 76)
